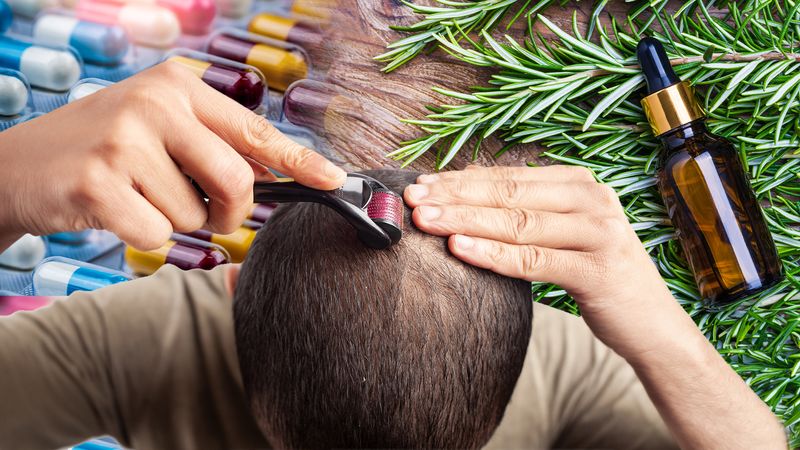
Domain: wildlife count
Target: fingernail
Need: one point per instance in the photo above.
(428, 178)
(332, 171)
(429, 213)
(464, 242)
(417, 191)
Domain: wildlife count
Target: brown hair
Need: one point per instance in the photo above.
(343, 346)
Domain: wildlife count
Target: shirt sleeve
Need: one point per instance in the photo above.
(151, 362)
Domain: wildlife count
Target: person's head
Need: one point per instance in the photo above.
(344, 346)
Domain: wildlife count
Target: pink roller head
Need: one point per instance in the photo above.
(385, 208)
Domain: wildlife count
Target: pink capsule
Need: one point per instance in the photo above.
(195, 16)
(147, 24)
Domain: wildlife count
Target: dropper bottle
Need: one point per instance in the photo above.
(706, 190)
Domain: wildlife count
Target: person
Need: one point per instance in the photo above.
(341, 346)
(154, 361)
(121, 160)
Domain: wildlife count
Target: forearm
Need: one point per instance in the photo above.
(703, 401)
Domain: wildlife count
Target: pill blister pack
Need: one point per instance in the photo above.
(255, 42)
(94, 246)
(49, 58)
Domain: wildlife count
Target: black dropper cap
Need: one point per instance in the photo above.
(655, 65)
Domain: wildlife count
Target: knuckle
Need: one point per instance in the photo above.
(238, 179)
(497, 253)
(87, 191)
(299, 157)
(509, 191)
(450, 189)
(464, 216)
(606, 195)
(530, 259)
(609, 227)
(171, 70)
(581, 173)
(524, 223)
(257, 133)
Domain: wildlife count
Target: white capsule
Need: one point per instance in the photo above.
(84, 89)
(13, 95)
(25, 253)
(51, 69)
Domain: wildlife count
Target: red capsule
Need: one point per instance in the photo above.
(244, 86)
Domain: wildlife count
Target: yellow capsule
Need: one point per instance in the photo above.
(237, 243)
(182, 254)
(280, 66)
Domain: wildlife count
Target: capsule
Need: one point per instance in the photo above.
(97, 444)
(244, 86)
(280, 66)
(234, 9)
(62, 276)
(237, 243)
(30, 8)
(312, 104)
(10, 303)
(184, 255)
(287, 29)
(6, 16)
(24, 254)
(86, 88)
(253, 224)
(261, 212)
(147, 24)
(320, 9)
(70, 237)
(44, 67)
(195, 16)
(14, 93)
(96, 43)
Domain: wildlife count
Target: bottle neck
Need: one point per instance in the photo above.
(675, 139)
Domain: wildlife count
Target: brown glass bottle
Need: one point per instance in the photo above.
(706, 190)
(716, 215)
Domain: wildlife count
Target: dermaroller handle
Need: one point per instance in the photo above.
(349, 201)
(290, 191)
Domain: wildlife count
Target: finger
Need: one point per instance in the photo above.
(539, 195)
(260, 172)
(254, 137)
(162, 183)
(555, 173)
(223, 174)
(142, 226)
(527, 262)
(516, 226)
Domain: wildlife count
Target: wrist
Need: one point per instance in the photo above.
(670, 336)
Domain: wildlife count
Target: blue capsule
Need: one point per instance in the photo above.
(96, 43)
(6, 16)
(44, 67)
(62, 276)
(70, 237)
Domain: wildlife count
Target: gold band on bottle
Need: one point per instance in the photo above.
(671, 107)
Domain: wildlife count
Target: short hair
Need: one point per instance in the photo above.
(342, 346)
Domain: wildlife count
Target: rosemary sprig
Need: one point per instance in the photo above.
(577, 96)
(481, 15)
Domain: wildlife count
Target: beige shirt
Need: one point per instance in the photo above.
(153, 363)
